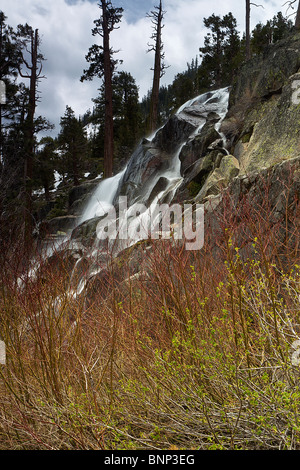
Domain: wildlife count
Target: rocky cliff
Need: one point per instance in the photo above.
(215, 147)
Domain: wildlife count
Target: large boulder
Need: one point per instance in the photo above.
(145, 164)
(176, 131)
(220, 178)
(79, 195)
(197, 148)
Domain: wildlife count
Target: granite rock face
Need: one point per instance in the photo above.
(265, 75)
(276, 137)
(262, 123)
(211, 149)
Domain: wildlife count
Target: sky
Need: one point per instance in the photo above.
(65, 29)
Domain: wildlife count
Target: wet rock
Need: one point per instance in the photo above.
(160, 186)
(198, 147)
(63, 224)
(176, 131)
(145, 163)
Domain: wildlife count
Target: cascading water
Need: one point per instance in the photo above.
(152, 176)
(132, 182)
(102, 197)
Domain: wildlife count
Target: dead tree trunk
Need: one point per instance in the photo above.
(159, 66)
(248, 47)
(297, 22)
(29, 131)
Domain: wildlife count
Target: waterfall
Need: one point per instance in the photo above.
(102, 197)
(199, 107)
(131, 181)
(152, 176)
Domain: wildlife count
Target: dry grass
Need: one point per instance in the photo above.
(197, 354)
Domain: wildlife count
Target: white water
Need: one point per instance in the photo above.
(173, 173)
(103, 197)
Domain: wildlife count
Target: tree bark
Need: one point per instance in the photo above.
(248, 49)
(297, 22)
(109, 133)
(153, 119)
(29, 140)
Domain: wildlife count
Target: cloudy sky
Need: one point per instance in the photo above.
(65, 28)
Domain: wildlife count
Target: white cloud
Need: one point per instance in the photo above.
(65, 29)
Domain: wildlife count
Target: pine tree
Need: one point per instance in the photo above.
(45, 163)
(221, 52)
(265, 34)
(9, 63)
(126, 111)
(102, 65)
(213, 48)
(72, 146)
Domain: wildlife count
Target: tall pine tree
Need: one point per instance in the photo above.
(72, 146)
(102, 65)
(221, 52)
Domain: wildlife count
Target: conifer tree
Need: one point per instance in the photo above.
(72, 146)
(45, 162)
(102, 65)
(221, 51)
(273, 30)
(9, 62)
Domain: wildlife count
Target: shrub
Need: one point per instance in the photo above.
(195, 351)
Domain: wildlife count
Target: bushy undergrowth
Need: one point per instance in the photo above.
(196, 351)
